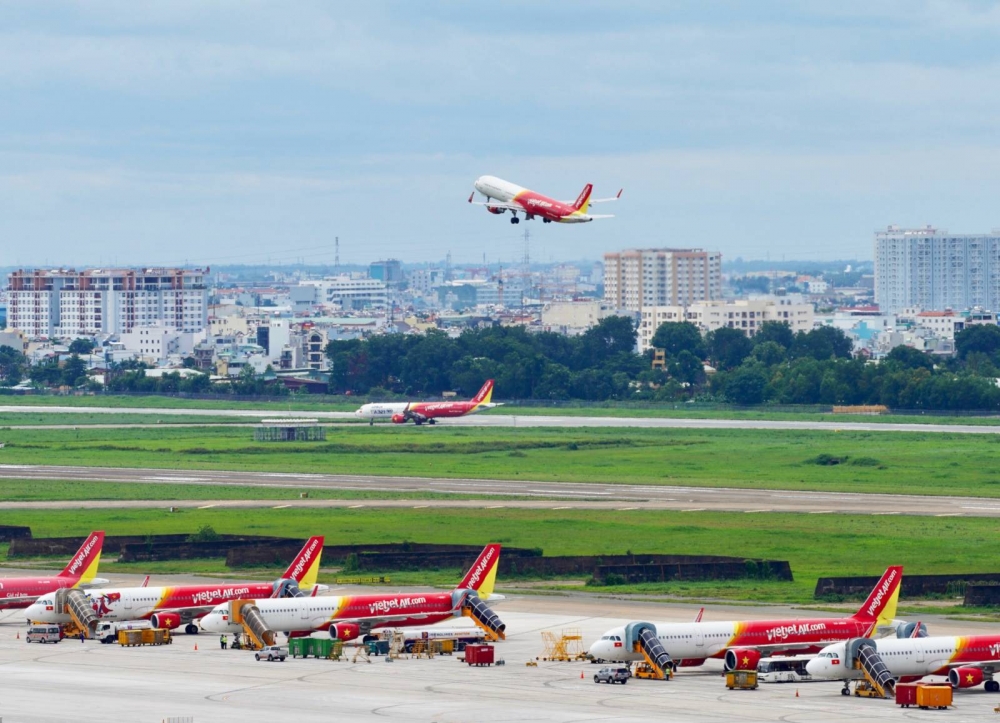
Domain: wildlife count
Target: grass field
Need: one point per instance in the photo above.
(19, 419)
(815, 545)
(869, 461)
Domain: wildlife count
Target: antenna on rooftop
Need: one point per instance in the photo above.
(336, 253)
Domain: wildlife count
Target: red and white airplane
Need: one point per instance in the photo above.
(502, 196)
(21, 592)
(349, 617)
(171, 607)
(430, 412)
(742, 644)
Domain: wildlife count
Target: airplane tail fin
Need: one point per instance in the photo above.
(483, 574)
(485, 394)
(305, 567)
(82, 566)
(583, 200)
(880, 607)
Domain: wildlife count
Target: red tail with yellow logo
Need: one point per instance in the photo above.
(82, 566)
(483, 574)
(880, 607)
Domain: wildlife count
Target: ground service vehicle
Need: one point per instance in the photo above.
(271, 653)
(107, 631)
(43, 634)
(784, 670)
(612, 675)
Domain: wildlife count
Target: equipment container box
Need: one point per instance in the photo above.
(321, 648)
(479, 654)
(298, 647)
(934, 696)
(906, 694)
(741, 680)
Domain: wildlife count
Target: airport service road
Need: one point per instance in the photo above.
(90, 682)
(508, 420)
(540, 495)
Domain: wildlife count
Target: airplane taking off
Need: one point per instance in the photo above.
(420, 412)
(966, 661)
(502, 196)
(743, 644)
(21, 592)
(349, 617)
(171, 607)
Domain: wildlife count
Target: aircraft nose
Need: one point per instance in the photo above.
(815, 668)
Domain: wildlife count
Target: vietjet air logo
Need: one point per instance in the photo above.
(995, 651)
(537, 202)
(882, 591)
(384, 606)
(207, 596)
(481, 568)
(82, 555)
(783, 632)
(304, 560)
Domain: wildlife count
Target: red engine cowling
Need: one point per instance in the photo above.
(496, 210)
(345, 631)
(169, 621)
(398, 419)
(742, 659)
(965, 677)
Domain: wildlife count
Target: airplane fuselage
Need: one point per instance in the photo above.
(530, 202)
(912, 657)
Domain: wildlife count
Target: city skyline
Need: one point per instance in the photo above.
(193, 133)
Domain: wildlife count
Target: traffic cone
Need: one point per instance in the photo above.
(796, 692)
(18, 635)
(581, 675)
(196, 646)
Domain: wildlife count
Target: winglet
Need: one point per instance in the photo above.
(83, 566)
(483, 574)
(305, 567)
(619, 193)
(471, 196)
(880, 607)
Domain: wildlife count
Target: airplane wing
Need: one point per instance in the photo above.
(96, 582)
(601, 215)
(592, 201)
(497, 204)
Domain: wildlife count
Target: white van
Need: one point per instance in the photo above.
(107, 630)
(43, 634)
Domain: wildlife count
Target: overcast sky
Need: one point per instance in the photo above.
(214, 132)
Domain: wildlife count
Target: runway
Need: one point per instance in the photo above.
(512, 420)
(529, 494)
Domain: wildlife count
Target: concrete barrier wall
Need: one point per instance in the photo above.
(913, 586)
(9, 533)
(113, 544)
(982, 595)
(734, 570)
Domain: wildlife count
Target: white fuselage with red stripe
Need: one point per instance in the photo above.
(530, 202)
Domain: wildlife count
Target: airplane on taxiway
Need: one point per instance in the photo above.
(21, 592)
(503, 196)
(420, 412)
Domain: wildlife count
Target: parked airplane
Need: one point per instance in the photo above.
(430, 412)
(966, 661)
(349, 617)
(742, 644)
(21, 592)
(171, 607)
(502, 196)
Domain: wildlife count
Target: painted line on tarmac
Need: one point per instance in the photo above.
(821, 512)
(626, 509)
(280, 507)
(989, 509)
(420, 507)
(696, 509)
(884, 513)
(206, 507)
(354, 507)
(562, 508)
(750, 512)
(495, 507)
(950, 514)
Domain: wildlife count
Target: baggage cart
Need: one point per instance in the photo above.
(479, 655)
(741, 680)
(934, 696)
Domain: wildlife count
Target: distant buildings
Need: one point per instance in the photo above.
(343, 292)
(639, 278)
(746, 315)
(390, 271)
(69, 304)
(933, 269)
(574, 317)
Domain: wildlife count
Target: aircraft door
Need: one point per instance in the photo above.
(920, 652)
(699, 640)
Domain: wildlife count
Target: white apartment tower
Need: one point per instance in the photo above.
(639, 278)
(930, 268)
(70, 304)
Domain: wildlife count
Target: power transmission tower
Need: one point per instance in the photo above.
(336, 254)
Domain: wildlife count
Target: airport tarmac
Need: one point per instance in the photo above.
(93, 682)
(537, 495)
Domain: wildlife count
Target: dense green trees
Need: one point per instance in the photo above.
(12, 364)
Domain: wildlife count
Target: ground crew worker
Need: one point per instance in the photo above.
(222, 641)
(82, 636)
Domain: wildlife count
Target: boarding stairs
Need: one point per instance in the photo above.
(476, 610)
(75, 603)
(866, 659)
(655, 654)
(246, 614)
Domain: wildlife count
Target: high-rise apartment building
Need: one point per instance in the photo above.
(68, 303)
(930, 268)
(639, 278)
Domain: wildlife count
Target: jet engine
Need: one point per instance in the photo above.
(495, 209)
(965, 677)
(345, 631)
(169, 621)
(398, 419)
(742, 659)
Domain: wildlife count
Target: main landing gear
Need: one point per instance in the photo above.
(515, 219)
(191, 629)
